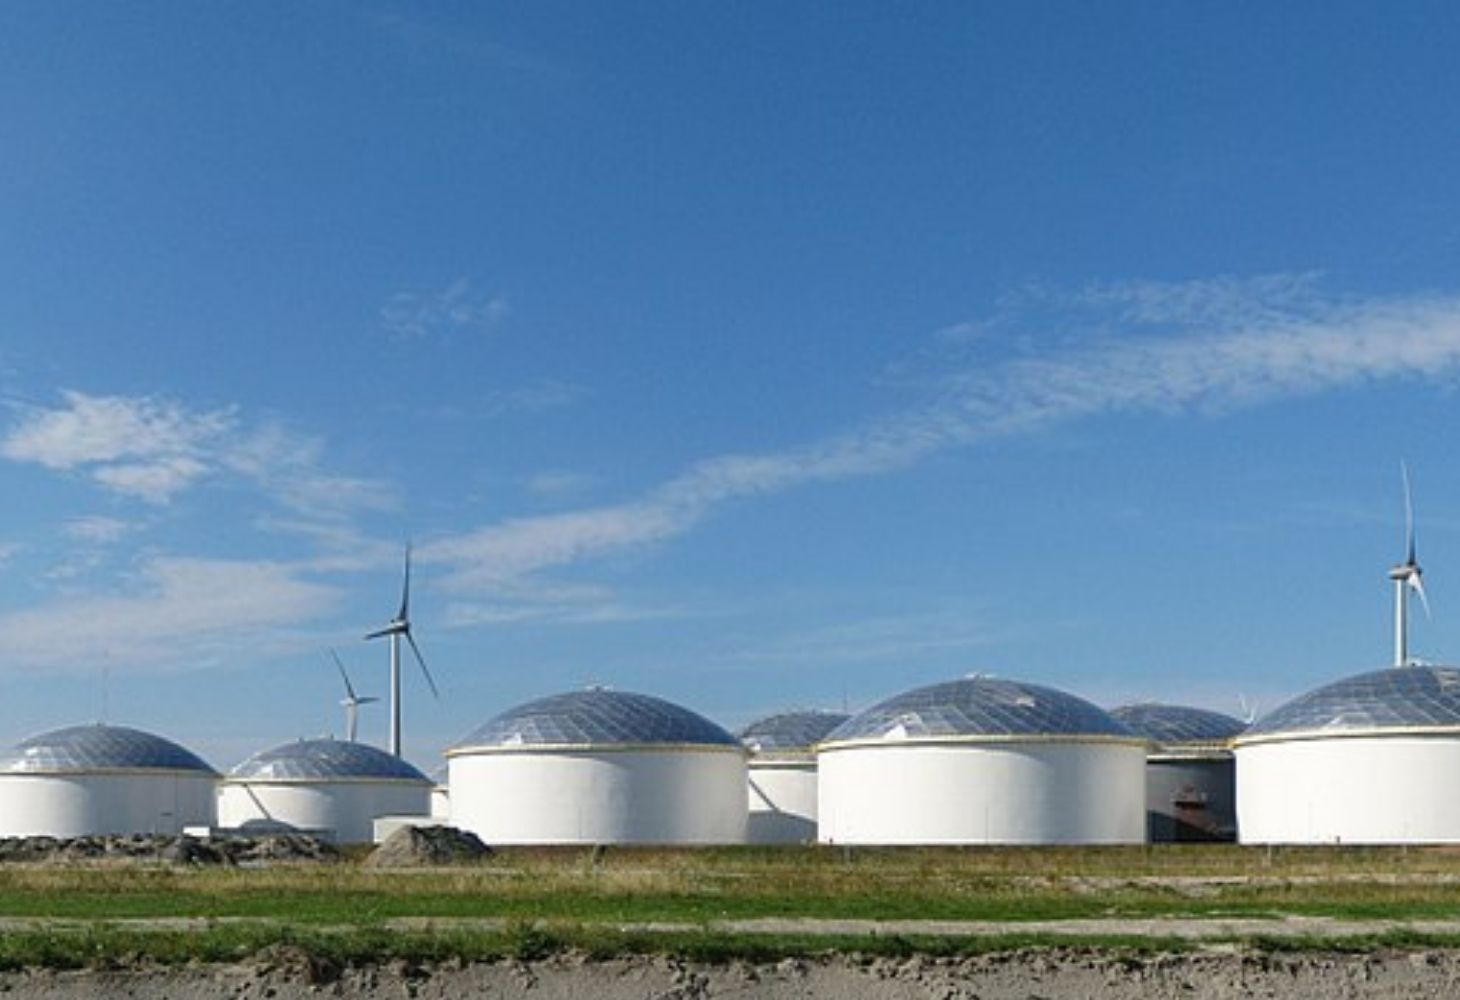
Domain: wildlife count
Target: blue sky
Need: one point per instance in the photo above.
(754, 356)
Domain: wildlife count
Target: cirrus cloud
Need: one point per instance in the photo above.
(1225, 344)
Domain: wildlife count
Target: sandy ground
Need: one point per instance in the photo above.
(1197, 929)
(1017, 976)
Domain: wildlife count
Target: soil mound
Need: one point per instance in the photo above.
(149, 848)
(422, 846)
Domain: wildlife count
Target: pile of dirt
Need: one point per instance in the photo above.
(157, 848)
(425, 846)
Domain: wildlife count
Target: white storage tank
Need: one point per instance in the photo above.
(329, 788)
(440, 795)
(98, 779)
(1369, 759)
(982, 761)
(599, 767)
(782, 782)
(1191, 792)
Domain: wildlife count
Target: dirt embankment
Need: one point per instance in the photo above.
(1015, 976)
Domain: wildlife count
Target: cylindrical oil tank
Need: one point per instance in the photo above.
(440, 795)
(982, 760)
(782, 774)
(1365, 760)
(599, 767)
(329, 788)
(100, 779)
(1191, 790)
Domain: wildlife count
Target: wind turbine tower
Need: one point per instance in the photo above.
(1407, 576)
(396, 629)
(351, 701)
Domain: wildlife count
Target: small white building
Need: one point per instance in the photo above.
(329, 788)
(1368, 759)
(1191, 788)
(99, 779)
(599, 767)
(782, 777)
(982, 761)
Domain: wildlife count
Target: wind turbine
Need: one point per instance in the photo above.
(397, 628)
(351, 701)
(1407, 576)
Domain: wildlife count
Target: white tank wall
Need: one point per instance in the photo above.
(983, 793)
(348, 808)
(600, 797)
(1352, 790)
(441, 802)
(87, 804)
(1191, 798)
(782, 802)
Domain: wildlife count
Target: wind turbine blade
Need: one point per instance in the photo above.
(1417, 585)
(405, 592)
(1408, 514)
(382, 632)
(344, 676)
(366, 700)
(422, 661)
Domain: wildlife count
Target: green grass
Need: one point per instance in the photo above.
(689, 886)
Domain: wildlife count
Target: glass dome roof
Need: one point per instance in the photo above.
(790, 731)
(81, 749)
(1419, 697)
(325, 760)
(595, 717)
(979, 706)
(1177, 725)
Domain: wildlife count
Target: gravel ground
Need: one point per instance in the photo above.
(1040, 975)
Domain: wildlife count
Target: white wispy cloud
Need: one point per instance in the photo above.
(875, 639)
(453, 308)
(290, 467)
(152, 449)
(1222, 348)
(610, 612)
(97, 530)
(144, 447)
(181, 613)
(1222, 302)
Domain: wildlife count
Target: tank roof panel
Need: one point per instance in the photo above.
(979, 706)
(1178, 725)
(596, 717)
(790, 731)
(98, 747)
(1414, 697)
(325, 760)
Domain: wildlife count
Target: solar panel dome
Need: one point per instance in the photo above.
(1403, 698)
(790, 732)
(597, 717)
(976, 707)
(99, 748)
(325, 760)
(1177, 725)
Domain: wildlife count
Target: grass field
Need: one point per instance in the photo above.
(643, 885)
(548, 900)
